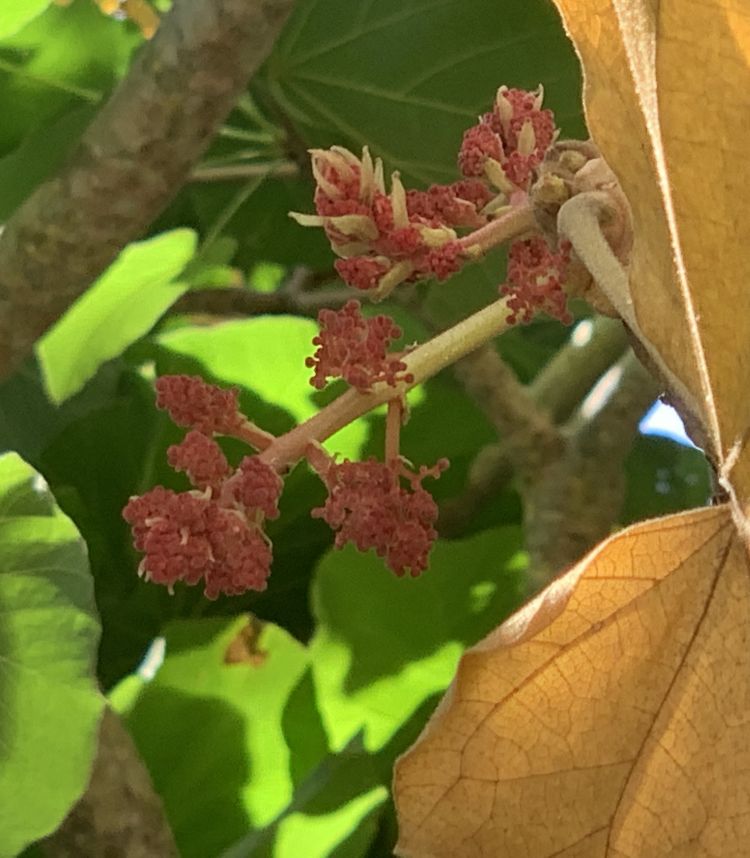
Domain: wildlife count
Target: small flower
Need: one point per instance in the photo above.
(536, 275)
(355, 348)
(369, 506)
(510, 142)
(255, 486)
(192, 402)
(200, 458)
(385, 239)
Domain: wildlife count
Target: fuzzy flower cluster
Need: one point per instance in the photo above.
(536, 275)
(510, 141)
(214, 532)
(385, 239)
(382, 506)
(355, 348)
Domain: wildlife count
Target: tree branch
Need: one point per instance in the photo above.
(130, 162)
(578, 498)
(120, 815)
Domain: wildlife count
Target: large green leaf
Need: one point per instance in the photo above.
(407, 77)
(123, 305)
(384, 645)
(241, 700)
(62, 60)
(48, 639)
(18, 13)
(38, 157)
(663, 477)
(334, 812)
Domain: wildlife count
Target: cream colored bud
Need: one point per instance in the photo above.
(504, 108)
(496, 174)
(307, 219)
(323, 157)
(436, 236)
(398, 202)
(391, 279)
(539, 97)
(366, 177)
(527, 139)
(361, 227)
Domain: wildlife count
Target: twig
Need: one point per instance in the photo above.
(130, 162)
(235, 172)
(243, 301)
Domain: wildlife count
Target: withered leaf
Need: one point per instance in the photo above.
(609, 717)
(666, 98)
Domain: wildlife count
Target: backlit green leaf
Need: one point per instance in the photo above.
(48, 639)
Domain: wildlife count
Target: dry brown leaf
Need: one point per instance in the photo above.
(667, 86)
(609, 717)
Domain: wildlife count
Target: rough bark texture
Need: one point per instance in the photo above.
(130, 162)
(119, 815)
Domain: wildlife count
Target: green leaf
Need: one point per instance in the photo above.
(66, 58)
(38, 157)
(384, 644)
(18, 13)
(120, 307)
(664, 477)
(334, 812)
(238, 700)
(407, 77)
(48, 640)
(266, 356)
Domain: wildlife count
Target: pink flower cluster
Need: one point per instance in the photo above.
(369, 506)
(385, 239)
(214, 532)
(510, 141)
(355, 348)
(535, 280)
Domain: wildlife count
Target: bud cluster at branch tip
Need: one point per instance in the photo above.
(385, 239)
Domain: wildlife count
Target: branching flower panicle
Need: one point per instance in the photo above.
(510, 141)
(214, 532)
(383, 238)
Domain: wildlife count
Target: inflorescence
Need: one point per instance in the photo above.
(214, 532)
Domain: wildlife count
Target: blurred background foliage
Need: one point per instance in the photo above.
(271, 727)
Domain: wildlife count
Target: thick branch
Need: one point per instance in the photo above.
(242, 301)
(529, 437)
(130, 162)
(579, 497)
(119, 815)
(570, 374)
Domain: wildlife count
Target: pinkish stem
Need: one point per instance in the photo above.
(424, 362)
(513, 224)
